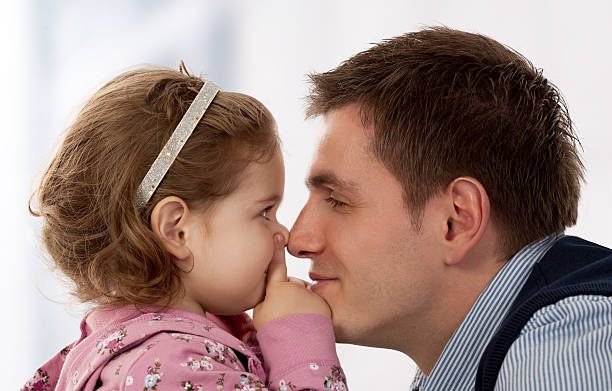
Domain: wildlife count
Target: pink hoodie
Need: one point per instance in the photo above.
(167, 349)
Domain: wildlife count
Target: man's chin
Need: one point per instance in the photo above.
(350, 334)
(343, 333)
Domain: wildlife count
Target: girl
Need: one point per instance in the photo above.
(172, 264)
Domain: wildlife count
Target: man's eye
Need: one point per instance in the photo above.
(334, 203)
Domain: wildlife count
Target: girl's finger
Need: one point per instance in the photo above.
(298, 281)
(277, 271)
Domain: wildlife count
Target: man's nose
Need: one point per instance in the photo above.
(306, 238)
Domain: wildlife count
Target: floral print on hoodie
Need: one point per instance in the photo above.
(167, 349)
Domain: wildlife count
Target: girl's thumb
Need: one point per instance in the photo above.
(277, 271)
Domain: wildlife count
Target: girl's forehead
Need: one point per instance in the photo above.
(262, 179)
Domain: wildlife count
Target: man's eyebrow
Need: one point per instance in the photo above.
(329, 179)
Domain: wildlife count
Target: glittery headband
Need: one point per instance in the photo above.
(183, 130)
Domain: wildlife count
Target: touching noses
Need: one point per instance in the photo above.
(306, 238)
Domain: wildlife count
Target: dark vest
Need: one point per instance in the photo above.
(572, 267)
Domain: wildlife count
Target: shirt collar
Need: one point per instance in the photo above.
(457, 365)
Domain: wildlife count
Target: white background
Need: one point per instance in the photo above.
(56, 53)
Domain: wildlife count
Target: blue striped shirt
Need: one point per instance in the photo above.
(565, 346)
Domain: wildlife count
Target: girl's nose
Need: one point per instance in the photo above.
(283, 231)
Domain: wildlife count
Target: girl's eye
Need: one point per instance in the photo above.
(264, 213)
(334, 203)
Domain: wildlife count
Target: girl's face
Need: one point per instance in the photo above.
(232, 243)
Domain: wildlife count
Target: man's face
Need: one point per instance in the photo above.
(368, 261)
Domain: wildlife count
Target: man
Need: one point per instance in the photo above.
(438, 198)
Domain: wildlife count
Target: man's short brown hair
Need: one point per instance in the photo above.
(445, 103)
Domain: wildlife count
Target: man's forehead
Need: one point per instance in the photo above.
(343, 151)
(343, 135)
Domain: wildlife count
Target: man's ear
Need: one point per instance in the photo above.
(169, 223)
(467, 218)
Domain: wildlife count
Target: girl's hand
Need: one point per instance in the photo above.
(286, 295)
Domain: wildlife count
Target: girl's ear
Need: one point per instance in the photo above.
(169, 221)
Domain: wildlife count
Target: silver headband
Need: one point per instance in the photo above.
(183, 130)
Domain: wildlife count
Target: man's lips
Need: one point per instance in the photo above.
(320, 281)
(319, 277)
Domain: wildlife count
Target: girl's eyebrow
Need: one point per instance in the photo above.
(271, 198)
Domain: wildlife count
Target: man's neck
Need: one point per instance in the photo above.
(462, 287)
